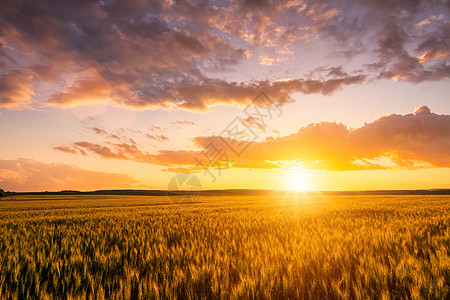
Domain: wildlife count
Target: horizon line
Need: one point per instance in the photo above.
(162, 192)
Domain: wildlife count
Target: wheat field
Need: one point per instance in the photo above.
(289, 246)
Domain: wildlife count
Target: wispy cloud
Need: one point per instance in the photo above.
(157, 137)
(182, 123)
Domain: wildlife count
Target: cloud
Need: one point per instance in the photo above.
(396, 63)
(267, 60)
(427, 21)
(111, 51)
(420, 136)
(161, 54)
(180, 123)
(155, 128)
(101, 150)
(16, 89)
(157, 137)
(123, 151)
(128, 151)
(436, 45)
(413, 140)
(254, 122)
(214, 91)
(84, 87)
(103, 132)
(26, 175)
(122, 135)
(423, 23)
(418, 139)
(99, 131)
(65, 149)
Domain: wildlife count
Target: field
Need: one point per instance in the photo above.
(280, 246)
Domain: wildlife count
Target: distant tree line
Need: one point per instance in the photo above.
(7, 193)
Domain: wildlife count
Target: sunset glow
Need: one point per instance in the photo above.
(115, 95)
(298, 182)
(224, 149)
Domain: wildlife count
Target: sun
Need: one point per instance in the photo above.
(298, 182)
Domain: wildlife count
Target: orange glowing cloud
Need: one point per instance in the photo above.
(413, 140)
(16, 89)
(30, 175)
(84, 87)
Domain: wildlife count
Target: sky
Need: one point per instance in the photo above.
(303, 95)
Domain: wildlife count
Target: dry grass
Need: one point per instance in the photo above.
(355, 247)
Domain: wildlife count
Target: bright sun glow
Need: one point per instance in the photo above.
(298, 182)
